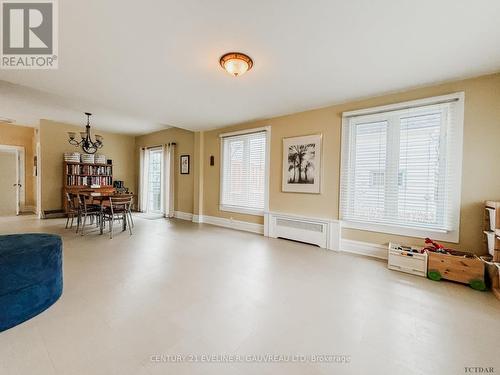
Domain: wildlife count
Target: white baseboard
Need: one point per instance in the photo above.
(335, 242)
(364, 248)
(183, 215)
(228, 223)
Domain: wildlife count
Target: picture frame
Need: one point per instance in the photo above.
(302, 164)
(184, 164)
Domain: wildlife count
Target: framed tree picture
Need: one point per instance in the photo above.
(184, 164)
(302, 164)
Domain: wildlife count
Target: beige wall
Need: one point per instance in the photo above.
(324, 205)
(54, 142)
(184, 183)
(198, 192)
(481, 155)
(24, 136)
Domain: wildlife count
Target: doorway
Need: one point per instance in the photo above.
(12, 196)
(153, 181)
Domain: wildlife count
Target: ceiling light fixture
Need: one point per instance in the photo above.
(89, 146)
(236, 63)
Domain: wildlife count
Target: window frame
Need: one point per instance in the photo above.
(452, 235)
(242, 209)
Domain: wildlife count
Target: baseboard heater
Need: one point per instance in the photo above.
(53, 214)
(321, 232)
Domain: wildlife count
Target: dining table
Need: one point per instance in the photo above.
(103, 200)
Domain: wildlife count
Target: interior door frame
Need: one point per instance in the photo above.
(20, 174)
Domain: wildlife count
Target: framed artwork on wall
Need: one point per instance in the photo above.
(184, 164)
(302, 164)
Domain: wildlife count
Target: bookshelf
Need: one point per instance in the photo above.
(82, 174)
(85, 176)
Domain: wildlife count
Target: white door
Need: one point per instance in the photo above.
(9, 183)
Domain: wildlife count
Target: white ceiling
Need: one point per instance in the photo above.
(144, 65)
(26, 106)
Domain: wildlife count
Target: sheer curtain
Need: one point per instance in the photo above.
(169, 179)
(143, 179)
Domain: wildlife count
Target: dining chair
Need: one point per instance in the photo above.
(130, 210)
(73, 210)
(131, 205)
(86, 195)
(93, 211)
(119, 209)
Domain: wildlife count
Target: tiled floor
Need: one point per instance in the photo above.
(177, 288)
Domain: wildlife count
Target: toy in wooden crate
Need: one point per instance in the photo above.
(454, 265)
(407, 259)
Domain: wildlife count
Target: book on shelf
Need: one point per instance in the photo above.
(76, 180)
(85, 169)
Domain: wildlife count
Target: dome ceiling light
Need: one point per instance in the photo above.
(236, 63)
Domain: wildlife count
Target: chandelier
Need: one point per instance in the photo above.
(89, 146)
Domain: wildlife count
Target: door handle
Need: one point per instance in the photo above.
(17, 185)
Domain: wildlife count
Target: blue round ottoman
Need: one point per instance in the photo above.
(30, 276)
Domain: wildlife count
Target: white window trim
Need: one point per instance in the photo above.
(452, 236)
(409, 104)
(246, 210)
(241, 210)
(448, 236)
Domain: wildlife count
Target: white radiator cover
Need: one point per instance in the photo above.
(324, 233)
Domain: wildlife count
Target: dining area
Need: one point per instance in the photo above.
(99, 211)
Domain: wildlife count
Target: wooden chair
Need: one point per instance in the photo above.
(130, 207)
(90, 200)
(119, 209)
(90, 210)
(73, 209)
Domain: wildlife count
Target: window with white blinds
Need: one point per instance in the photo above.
(243, 172)
(401, 168)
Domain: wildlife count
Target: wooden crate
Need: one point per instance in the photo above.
(496, 254)
(493, 226)
(495, 205)
(456, 268)
(494, 275)
(407, 259)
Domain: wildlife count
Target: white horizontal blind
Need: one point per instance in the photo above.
(368, 173)
(420, 190)
(243, 171)
(403, 167)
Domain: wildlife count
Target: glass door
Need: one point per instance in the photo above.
(155, 181)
